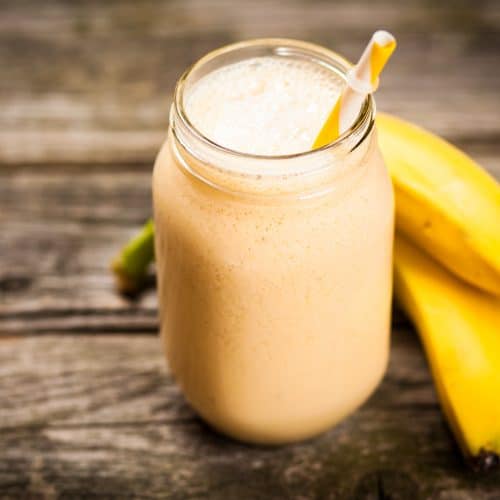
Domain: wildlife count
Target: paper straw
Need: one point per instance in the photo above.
(362, 80)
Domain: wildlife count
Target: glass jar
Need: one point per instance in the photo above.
(274, 272)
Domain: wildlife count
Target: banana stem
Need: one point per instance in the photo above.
(131, 265)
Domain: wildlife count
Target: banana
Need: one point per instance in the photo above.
(445, 202)
(460, 329)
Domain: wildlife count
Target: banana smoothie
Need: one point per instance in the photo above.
(274, 261)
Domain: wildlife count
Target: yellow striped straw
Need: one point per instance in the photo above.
(362, 80)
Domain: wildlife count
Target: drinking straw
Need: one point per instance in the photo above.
(362, 80)
(131, 264)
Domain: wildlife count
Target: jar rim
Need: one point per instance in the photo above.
(281, 47)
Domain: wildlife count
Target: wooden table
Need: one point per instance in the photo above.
(87, 407)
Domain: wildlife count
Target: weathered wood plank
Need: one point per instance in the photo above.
(60, 229)
(85, 87)
(100, 415)
(86, 82)
(56, 277)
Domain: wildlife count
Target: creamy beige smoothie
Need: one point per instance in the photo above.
(274, 262)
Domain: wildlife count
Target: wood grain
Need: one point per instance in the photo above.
(60, 229)
(85, 89)
(88, 82)
(106, 420)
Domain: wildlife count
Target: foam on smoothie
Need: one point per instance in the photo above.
(267, 105)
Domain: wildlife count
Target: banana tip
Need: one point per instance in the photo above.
(485, 461)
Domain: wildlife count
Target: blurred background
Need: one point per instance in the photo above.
(91, 81)
(85, 90)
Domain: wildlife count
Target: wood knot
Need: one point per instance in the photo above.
(386, 485)
(14, 284)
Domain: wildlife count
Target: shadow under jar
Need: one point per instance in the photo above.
(274, 272)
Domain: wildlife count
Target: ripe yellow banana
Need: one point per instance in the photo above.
(445, 203)
(459, 326)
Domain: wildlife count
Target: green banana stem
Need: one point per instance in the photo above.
(131, 265)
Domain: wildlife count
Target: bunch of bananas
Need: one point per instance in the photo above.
(447, 276)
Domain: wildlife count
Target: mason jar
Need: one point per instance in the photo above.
(274, 272)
